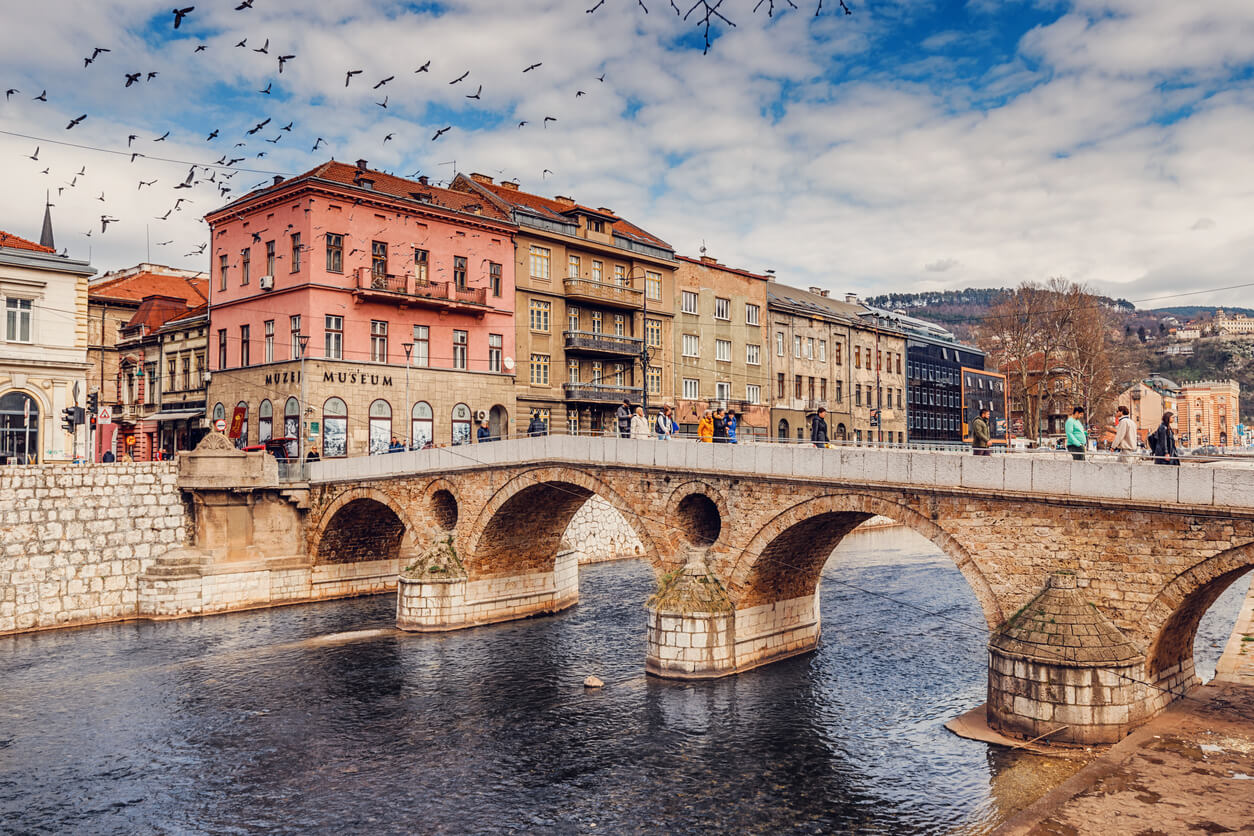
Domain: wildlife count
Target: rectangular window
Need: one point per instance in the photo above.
(823, 388)
(459, 348)
(495, 348)
(268, 325)
(890, 398)
(420, 266)
(269, 258)
(295, 252)
(17, 317)
(836, 353)
(692, 389)
(459, 272)
(811, 388)
(779, 343)
(692, 345)
(221, 348)
(540, 261)
(620, 325)
(808, 348)
(422, 346)
(596, 322)
(538, 311)
(243, 345)
(822, 351)
(596, 371)
(840, 391)
(653, 332)
(722, 350)
(598, 271)
(653, 379)
(653, 285)
(751, 314)
(222, 271)
(753, 355)
(335, 252)
(620, 275)
(796, 386)
(688, 302)
(245, 265)
(899, 362)
(753, 393)
(572, 319)
(378, 258)
(619, 379)
(294, 326)
(857, 356)
(187, 371)
(171, 367)
(779, 385)
(572, 371)
(494, 279)
(572, 267)
(857, 394)
(722, 308)
(796, 346)
(378, 341)
(539, 370)
(333, 340)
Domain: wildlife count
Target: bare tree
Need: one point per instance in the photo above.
(1018, 334)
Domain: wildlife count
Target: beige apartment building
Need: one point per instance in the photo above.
(720, 348)
(593, 291)
(827, 353)
(1209, 412)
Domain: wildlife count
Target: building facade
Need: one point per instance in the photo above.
(808, 339)
(722, 358)
(878, 343)
(1227, 324)
(1147, 400)
(401, 294)
(43, 350)
(1208, 412)
(182, 363)
(594, 293)
(985, 390)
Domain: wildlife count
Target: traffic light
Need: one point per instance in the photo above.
(93, 402)
(67, 419)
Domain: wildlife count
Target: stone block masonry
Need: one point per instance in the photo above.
(77, 537)
(598, 533)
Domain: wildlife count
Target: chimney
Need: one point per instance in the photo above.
(851, 298)
(565, 201)
(423, 180)
(278, 178)
(825, 293)
(361, 165)
(709, 259)
(510, 185)
(606, 210)
(817, 291)
(481, 178)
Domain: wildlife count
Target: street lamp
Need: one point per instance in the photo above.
(644, 342)
(409, 420)
(303, 340)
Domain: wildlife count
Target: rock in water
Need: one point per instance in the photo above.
(593, 682)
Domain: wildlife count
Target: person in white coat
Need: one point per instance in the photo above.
(640, 424)
(1125, 436)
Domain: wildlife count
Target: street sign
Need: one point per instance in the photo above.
(220, 425)
(105, 416)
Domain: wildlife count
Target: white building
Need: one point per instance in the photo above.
(43, 349)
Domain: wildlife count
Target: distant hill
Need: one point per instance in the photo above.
(1190, 311)
(958, 310)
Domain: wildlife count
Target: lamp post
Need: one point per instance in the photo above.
(303, 340)
(644, 333)
(409, 422)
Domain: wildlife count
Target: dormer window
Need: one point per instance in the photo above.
(595, 225)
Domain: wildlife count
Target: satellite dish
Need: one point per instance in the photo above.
(509, 364)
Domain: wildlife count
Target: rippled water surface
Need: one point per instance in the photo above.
(322, 719)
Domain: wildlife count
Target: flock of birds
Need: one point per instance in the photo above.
(221, 172)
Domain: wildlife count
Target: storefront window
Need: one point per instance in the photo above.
(334, 429)
(461, 424)
(291, 426)
(19, 429)
(423, 427)
(265, 421)
(380, 427)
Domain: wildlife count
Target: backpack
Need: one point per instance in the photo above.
(1152, 441)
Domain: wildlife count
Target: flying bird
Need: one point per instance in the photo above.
(96, 52)
(179, 14)
(276, 139)
(441, 132)
(348, 76)
(74, 122)
(187, 184)
(460, 77)
(35, 156)
(287, 127)
(165, 243)
(135, 154)
(131, 78)
(45, 171)
(383, 104)
(264, 49)
(246, 4)
(131, 139)
(383, 82)
(520, 124)
(42, 97)
(242, 43)
(545, 173)
(534, 66)
(200, 48)
(267, 90)
(143, 183)
(477, 92)
(8, 93)
(601, 78)
(255, 128)
(317, 142)
(549, 119)
(198, 251)
(212, 136)
(162, 137)
(579, 93)
(105, 220)
(283, 59)
(164, 217)
(424, 68)
(387, 139)
(594, 8)
(151, 76)
(178, 204)
(101, 198)
(82, 172)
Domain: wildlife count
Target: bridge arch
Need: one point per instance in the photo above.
(1172, 618)
(520, 528)
(786, 556)
(362, 524)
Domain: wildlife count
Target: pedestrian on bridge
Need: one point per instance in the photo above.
(664, 424)
(640, 425)
(818, 428)
(1162, 442)
(731, 422)
(705, 427)
(484, 432)
(1125, 435)
(536, 427)
(980, 435)
(720, 427)
(1077, 435)
(623, 414)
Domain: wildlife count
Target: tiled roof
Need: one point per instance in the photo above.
(556, 210)
(16, 242)
(156, 311)
(806, 300)
(137, 286)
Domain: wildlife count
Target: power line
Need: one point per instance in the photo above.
(144, 156)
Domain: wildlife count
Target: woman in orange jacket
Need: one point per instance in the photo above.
(705, 428)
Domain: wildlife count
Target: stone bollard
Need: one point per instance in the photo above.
(1061, 671)
(691, 632)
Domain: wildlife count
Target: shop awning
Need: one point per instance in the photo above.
(176, 415)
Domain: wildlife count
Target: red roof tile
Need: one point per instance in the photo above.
(156, 311)
(8, 239)
(546, 205)
(137, 286)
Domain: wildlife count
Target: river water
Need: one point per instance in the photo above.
(323, 719)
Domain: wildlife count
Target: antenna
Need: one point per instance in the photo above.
(702, 246)
(453, 163)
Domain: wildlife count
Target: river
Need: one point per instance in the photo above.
(322, 719)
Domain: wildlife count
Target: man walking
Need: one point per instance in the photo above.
(663, 425)
(536, 426)
(720, 427)
(623, 414)
(731, 422)
(1125, 436)
(980, 435)
(818, 428)
(1077, 435)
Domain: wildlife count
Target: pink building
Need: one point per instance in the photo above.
(402, 292)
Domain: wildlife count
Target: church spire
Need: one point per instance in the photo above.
(45, 237)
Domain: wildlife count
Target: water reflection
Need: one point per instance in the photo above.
(292, 721)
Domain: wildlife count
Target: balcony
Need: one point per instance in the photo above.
(600, 392)
(409, 290)
(586, 342)
(603, 293)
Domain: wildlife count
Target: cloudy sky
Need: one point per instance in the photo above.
(910, 145)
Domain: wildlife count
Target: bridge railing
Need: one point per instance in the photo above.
(1047, 474)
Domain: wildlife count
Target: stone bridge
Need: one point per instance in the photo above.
(1092, 576)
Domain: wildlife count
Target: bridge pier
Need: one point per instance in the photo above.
(435, 594)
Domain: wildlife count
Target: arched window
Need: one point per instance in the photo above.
(265, 421)
(291, 426)
(19, 428)
(422, 429)
(380, 426)
(242, 441)
(334, 429)
(461, 424)
(840, 432)
(783, 430)
(219, 412)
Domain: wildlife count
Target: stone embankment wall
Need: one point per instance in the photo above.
(598, 533)
(76, 538)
